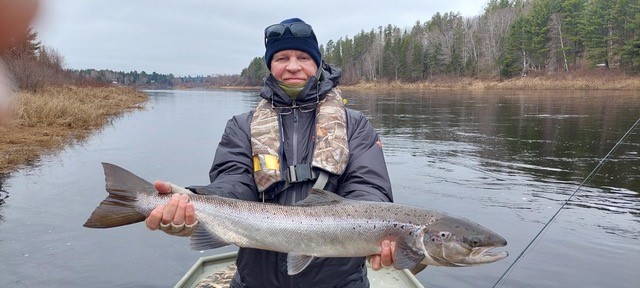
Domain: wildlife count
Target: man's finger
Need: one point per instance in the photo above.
(375, 262)
(180, 216)
(162, 187)
(170, 209)
(190, 214)
(153, 221)
(385, 254)
(393, 251)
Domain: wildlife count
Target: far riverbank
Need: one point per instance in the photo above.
(551, 82)
(554, 82)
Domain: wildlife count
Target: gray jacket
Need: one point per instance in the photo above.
(365, 178)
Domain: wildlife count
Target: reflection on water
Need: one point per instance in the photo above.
(505, 159)
(543, 134)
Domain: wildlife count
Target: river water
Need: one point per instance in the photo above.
(505, 159)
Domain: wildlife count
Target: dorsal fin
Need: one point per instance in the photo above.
(320, 197)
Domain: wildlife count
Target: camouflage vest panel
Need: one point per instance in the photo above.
(331, 150)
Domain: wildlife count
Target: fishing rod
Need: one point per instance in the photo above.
(584, 182)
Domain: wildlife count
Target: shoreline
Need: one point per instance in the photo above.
(605, 81)
(54, 118)
(555, 82)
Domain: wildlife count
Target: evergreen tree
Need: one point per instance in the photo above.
(25, 47)
(255, 73)
(536, 34)
(434, 59)
(597, 26)
(631, 49)
(572, 11)
(388, 57)
(513, 59)
(456, 64)
(416, 65)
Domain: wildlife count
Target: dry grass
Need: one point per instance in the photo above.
(47, 121)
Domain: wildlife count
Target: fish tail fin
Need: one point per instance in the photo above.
(119, 208)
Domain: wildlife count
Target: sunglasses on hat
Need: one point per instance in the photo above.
(277, 30)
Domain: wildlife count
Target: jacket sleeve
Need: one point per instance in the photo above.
(366, 176)
(231, 173)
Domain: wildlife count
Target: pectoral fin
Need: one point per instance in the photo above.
(418, 268)
(409, 253)
(203, 239)
(297, 262)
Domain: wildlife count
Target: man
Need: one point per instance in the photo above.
(300, 136)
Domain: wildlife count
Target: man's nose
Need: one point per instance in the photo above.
(293, 65)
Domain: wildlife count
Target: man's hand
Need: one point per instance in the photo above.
(385, 258)
(177, 217)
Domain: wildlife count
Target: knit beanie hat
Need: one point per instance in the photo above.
(307, 44)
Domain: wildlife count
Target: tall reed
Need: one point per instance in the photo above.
(48, 120)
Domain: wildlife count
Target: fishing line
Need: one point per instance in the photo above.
(584, 182)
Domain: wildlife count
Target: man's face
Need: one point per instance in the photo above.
(293, 67)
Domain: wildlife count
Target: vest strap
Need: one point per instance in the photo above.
(321, 183)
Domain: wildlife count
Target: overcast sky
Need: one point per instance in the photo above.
(192, 37)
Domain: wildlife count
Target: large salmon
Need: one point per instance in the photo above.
(322, 225)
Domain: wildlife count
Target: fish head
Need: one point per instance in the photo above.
(451, 241)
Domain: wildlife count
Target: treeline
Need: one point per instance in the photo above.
(511, 38)
(159, 81)
(33, 65)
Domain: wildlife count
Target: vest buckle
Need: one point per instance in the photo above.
(299, 173)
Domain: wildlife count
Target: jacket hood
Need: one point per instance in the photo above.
(313, 91)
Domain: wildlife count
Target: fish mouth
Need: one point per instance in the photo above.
(463, 255)
(484, 254)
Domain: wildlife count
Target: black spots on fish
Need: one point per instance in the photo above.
(437, 239)
(410, 233)
(473, 241)
(395, 225)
